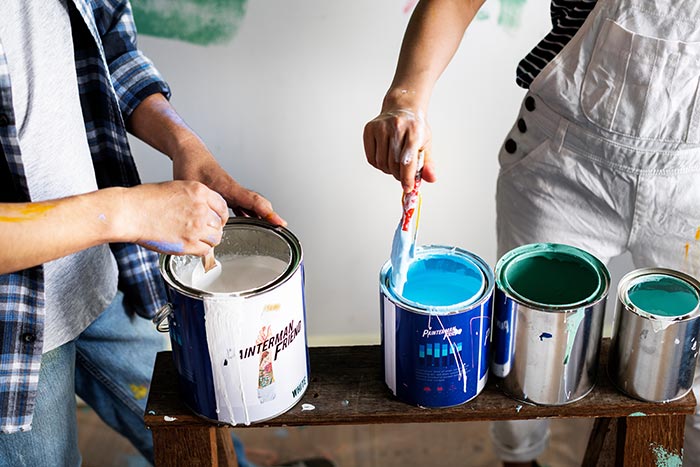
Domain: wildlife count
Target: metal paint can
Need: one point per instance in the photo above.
(548, 322)
(437, 355)
(655, 339)
(241, 355)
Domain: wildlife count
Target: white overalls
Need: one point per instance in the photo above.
(605, 156)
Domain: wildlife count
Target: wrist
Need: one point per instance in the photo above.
(404, 98)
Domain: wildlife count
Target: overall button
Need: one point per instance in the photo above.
(28, 337)
(510, 146)
(4, 120)
(522, 126)
(530, 103)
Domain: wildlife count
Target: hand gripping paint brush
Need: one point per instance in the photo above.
(404, 243)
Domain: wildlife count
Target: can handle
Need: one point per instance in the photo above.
(160, 318)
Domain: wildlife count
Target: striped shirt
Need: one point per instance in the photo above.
(567, 18)
(113, 79)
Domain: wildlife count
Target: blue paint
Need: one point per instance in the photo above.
(545, 335)
(169, 248)
(437, 354)
(443, 280)
(663, 295)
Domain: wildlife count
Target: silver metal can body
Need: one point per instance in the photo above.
(653, 358)
(543, 353)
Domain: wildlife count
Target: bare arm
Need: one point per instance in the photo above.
(173, 217)
(157, 123)
(392, 140)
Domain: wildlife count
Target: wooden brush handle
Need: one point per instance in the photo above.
(208, 261)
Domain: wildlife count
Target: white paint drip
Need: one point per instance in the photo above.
(169, 419)
(222, 318)
(307, 407)
(461, 370)
(658, 324)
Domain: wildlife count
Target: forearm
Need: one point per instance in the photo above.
(34, 233)
(156, 123)
(432, 37)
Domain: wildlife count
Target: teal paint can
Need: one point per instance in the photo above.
(655, 338)
(548, 320)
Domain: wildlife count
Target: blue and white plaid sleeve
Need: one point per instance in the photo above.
(134, 76)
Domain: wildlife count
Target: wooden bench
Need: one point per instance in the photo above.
(347, 387)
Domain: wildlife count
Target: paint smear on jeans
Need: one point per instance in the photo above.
(201, 22)
(665, 458)
(25, 212)
(139, 391)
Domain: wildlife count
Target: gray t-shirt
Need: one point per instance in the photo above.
(36, 38)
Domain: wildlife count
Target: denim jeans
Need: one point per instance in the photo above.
(109, 366)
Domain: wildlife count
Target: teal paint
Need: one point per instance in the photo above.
(663, 295)
(573, 322)
(637, 414)
(552, 278)
(443, 280)
(510, 14)
(201, 22)
(665, 458)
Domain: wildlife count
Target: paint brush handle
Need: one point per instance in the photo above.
(209, 261)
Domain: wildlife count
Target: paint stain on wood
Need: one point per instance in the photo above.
(201, 22)
(665, 458)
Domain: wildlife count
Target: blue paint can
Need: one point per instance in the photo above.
(435, 335)
(548, 322)
(240, 351)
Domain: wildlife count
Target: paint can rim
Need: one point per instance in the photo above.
(534, 249)
(635, 277)
(296, 257)
(481, 265)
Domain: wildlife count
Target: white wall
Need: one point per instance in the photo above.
(283, 105)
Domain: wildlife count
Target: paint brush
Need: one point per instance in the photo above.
(404, 243)
(207, 271)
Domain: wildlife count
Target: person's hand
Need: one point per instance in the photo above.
(392, 141)
(194, 162)
(179, 217)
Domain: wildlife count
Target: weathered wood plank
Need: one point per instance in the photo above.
(347, 387)
(185, 447)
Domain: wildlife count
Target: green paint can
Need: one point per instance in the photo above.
(655, 338)
(548, 321)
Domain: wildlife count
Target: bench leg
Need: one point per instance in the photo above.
(193, 447)
(594, 457)
(650, 440)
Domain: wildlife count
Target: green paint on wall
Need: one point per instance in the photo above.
(201, 22)
(665, 458)
(511, 11)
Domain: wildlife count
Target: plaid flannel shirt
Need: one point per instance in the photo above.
(113, 79)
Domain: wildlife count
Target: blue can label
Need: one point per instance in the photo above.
(434, 360)
(504, 316)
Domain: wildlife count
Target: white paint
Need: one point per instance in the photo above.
(283, 104)
(169, 419)
(257, 346)
(307, 407)
(238, 273)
